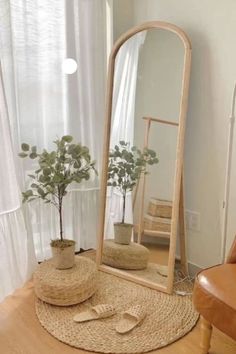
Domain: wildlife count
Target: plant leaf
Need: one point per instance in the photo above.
(33, 155)
(46, 171)
(67, 138)
(25, 147)
(22, 154)
(40, 191)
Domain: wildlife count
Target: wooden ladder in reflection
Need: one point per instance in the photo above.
(181, 215)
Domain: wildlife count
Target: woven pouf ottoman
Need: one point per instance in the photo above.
(133, 256)
(68, 286)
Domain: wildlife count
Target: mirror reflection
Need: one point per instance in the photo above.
(143, 152)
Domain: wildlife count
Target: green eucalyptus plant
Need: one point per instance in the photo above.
(126, 165)
(56, 170)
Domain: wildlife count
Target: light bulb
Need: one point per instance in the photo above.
(69, 66)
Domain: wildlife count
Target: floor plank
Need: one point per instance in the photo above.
(21, 332)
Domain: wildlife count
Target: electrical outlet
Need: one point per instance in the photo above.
(192, 220)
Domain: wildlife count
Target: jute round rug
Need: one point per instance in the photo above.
(169, 317)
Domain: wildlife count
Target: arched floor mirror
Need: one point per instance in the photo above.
(142, 178)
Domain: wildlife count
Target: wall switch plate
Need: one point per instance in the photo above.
(192, 220)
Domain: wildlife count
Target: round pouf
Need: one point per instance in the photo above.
(133, 256)
(68, 286)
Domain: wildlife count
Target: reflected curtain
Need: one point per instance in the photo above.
(43, 102)
(123, 111)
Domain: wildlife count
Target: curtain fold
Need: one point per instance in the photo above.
(123, 111)
(10, 194)
(17, 257)
(35, 38)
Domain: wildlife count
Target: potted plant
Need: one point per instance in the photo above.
(126, 165)
(56, 170)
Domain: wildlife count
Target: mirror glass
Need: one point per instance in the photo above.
(143, 143)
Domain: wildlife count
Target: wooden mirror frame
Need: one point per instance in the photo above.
(178, 180)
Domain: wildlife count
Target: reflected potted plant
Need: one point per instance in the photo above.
(56, 170)
(126, 165)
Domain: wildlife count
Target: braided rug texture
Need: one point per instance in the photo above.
(169, 317)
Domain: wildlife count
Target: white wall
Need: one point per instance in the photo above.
(231, 225)
(123, 18)
(211, 27)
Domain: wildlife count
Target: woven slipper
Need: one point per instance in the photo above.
(95, 313)
(130, 319)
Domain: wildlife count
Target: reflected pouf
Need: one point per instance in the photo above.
(132, 256)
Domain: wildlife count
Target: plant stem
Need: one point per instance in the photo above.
(60, 213)
(123, 216)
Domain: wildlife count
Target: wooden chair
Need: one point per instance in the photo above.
(214, 298)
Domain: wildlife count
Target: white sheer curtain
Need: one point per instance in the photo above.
(17, 259)
(123, 110)
(35, 38)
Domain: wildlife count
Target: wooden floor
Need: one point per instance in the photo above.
(21, 332)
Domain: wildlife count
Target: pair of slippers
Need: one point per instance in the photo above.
(130, 318)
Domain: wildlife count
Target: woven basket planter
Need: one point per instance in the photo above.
(63, 258)
(66, 287)
(123, 233)
(157, 224)
(160, 208)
